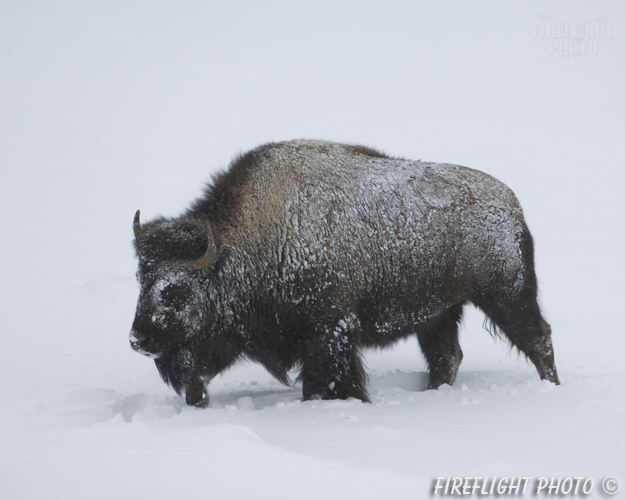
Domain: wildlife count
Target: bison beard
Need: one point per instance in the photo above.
(303, 253)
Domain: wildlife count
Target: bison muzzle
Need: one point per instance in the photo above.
(302, 254)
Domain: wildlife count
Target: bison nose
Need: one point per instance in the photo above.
(134, 341)
(139, 346)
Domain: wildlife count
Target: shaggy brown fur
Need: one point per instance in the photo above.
(324, 249)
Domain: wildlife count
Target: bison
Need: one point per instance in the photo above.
(303, 253)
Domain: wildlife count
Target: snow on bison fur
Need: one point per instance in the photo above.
(303, 253)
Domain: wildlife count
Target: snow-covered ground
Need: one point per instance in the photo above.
(106, 107)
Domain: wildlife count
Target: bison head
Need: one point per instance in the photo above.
(171, 255)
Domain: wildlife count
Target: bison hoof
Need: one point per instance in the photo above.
(202, 404)
(197, 396)
(198, 402)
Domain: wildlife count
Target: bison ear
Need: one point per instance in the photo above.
(208, 257)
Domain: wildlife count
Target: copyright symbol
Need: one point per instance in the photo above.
(611, 485)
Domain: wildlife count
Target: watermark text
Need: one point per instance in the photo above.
(573, 39)
(519, 486)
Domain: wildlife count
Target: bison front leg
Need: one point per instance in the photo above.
(332, 368)
(440, 346)
(196, 394)
(178, 369)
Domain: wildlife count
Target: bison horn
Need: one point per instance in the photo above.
(136, 225)
(210, 254)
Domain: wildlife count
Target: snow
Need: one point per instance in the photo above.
(107, 108)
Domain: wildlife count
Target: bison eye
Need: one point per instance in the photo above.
(176, 296)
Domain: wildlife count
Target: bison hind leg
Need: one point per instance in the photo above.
(512, 306)
(332, 367)
(438, 340)
(521, 322)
